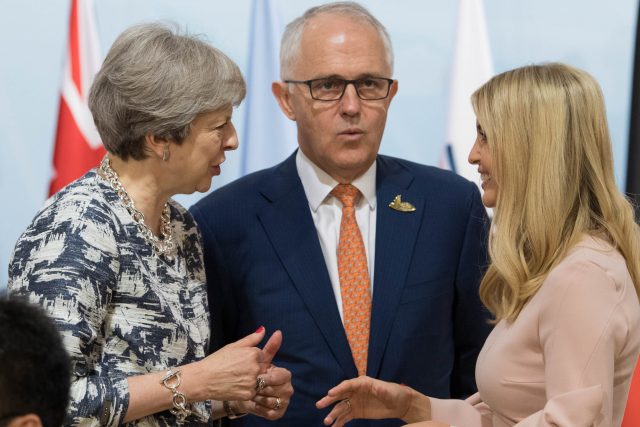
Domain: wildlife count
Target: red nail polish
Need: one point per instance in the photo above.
(260, 329)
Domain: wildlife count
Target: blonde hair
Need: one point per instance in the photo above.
(547, 132)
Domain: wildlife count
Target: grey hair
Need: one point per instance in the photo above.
(156, 81)
(291, 39)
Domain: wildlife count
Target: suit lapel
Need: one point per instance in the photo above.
(289, 225)
(396, 233)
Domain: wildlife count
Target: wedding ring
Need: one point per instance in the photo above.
(260, 384)
(348, 402)
(278, 404)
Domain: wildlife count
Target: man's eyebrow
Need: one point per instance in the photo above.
(340, 77)
(330, 76)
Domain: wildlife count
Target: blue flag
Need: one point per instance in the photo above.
(269, 136)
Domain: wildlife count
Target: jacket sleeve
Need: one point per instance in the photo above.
(470, 320)
(69, 264)
(472, 412)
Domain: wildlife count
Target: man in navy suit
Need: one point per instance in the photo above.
(271, 238)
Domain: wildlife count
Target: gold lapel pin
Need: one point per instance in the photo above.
(401, 206)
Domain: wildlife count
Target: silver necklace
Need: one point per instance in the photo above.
(163, 245)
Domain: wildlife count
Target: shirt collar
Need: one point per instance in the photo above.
(318, 184)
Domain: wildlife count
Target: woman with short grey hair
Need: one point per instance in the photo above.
(118, 264)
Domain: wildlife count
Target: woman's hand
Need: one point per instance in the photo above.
(232, 372)
(272, 401)
(366, 397)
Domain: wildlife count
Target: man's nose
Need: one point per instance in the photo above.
(350, 101)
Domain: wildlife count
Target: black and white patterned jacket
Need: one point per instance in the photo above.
(121, 309)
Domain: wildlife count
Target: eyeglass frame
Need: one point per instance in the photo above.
(344, 89)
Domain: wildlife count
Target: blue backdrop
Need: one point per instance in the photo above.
(594, 35)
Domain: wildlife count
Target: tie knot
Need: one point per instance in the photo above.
(347, 194)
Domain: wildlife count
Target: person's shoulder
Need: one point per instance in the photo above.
(594, 266)
(590, 290)
(77, 219)
(82, 199)
(447, 193)
(242, 190)
(591, 255)
(426, 174)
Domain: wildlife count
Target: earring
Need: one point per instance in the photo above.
(165, 154)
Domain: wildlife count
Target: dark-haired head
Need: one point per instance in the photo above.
(34, 367)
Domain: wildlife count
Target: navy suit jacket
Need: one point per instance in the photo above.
(265, 267)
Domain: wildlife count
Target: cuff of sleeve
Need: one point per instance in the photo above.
(115, 404)
(577, 407)
(454, 412)
(204, 411)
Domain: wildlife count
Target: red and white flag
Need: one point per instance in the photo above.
(77, 146)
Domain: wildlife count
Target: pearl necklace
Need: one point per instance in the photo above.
(163, 246)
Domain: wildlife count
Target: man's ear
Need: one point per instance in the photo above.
(393, 90)
(156, 145)
(283, 96)
(28, 420)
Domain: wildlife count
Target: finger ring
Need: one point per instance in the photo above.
(278, 404)
(348, 402)
(260, 384)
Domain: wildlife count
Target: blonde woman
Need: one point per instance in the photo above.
(564, 278)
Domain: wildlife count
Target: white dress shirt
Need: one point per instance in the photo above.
(326, 211)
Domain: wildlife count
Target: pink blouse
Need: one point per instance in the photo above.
(568, 358)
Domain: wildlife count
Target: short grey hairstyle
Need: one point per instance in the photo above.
(156, 81)
(292, 37)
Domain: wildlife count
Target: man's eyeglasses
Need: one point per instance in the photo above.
(332, 89)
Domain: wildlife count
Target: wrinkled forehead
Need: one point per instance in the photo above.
(336, 41)
(336, 28)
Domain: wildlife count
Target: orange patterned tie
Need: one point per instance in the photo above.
(353, 271)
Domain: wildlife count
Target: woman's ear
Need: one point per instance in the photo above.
(158, 146)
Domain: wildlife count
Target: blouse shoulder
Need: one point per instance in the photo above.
(594, 263)
(77, 220)
(590, 289)
(84, 200)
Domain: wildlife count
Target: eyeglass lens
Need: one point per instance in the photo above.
(332, 89)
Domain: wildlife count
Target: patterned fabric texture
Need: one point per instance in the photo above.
(353, 270)
(121, 309)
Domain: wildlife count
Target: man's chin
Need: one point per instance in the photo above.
(353, 168)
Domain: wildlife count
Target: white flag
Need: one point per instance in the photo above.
(269, 136)
(472, 66)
